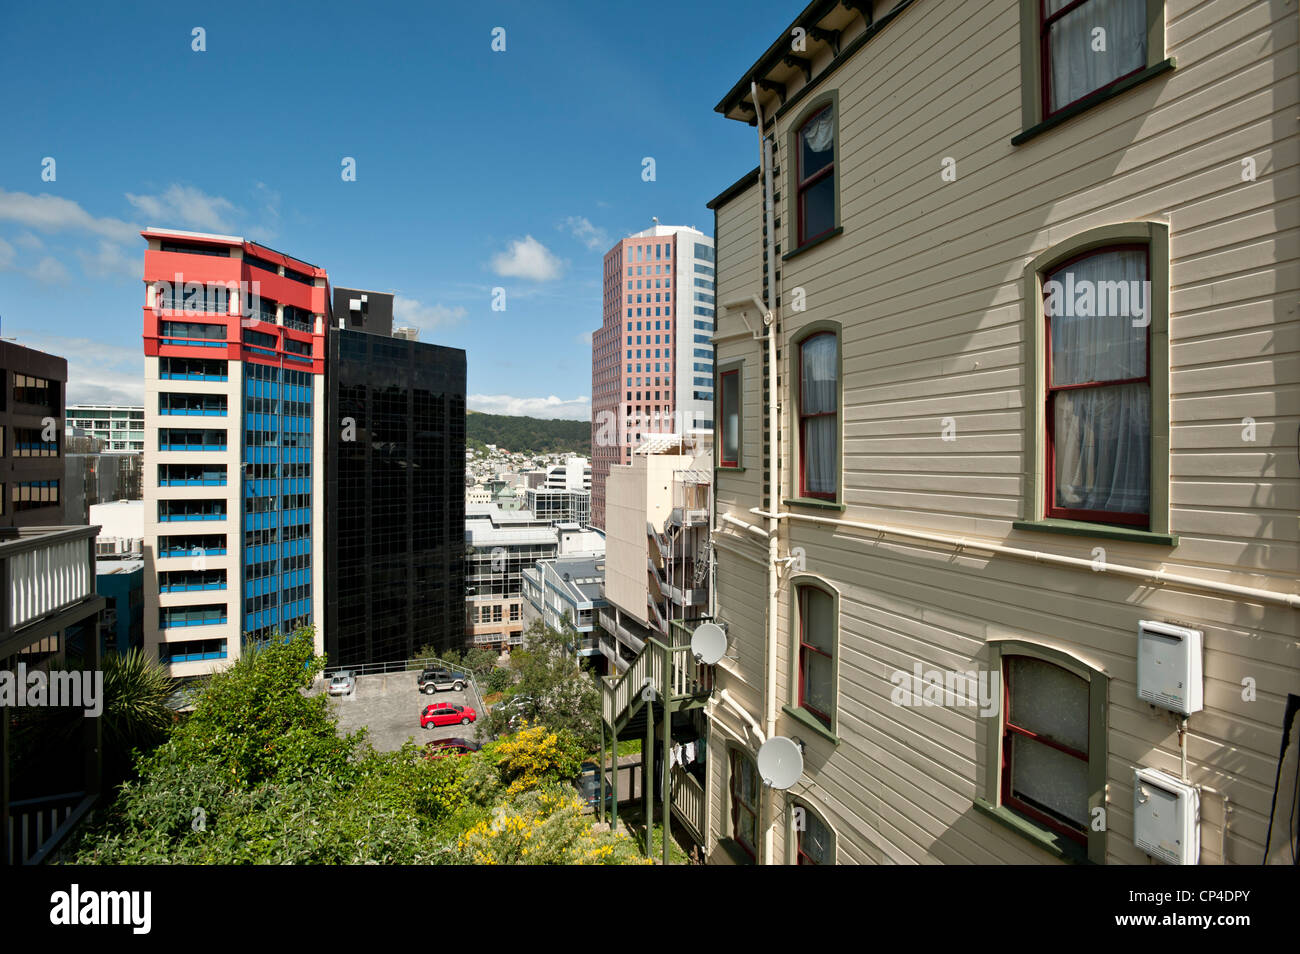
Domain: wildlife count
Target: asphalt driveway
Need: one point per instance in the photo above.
(389, 705)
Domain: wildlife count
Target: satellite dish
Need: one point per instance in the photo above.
(780, 762)
(708, 643)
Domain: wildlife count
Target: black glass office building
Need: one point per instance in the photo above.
(394, 490)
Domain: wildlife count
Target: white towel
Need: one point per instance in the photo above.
(688, 754)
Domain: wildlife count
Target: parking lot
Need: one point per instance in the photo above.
(389, 705)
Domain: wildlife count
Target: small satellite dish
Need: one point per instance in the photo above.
(780, 762)
(708, 643)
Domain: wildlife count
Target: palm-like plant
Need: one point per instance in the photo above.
(136, 715)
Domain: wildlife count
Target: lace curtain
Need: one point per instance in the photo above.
(1102, 435)
(1076, 67)
(819, 394)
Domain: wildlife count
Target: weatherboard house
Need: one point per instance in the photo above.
(923, 461)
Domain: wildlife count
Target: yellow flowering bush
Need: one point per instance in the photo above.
(535, 756)
(544, 826)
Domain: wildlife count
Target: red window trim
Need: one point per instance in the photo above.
(738, 805)
(802, 857)
(806, 647)
(804, 418)
(1046, 23)
(1050, 510)
(803, 185)
(1008, 729)
(722, 420)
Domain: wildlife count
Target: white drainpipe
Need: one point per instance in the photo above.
(774, 470)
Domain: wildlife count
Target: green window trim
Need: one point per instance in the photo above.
(813, 502)
(1063, 116)
(793, 708)
(806, 246)
(1156, 236)
(1032, 114)
(793, 343)
(791, 165)
(1101, 531)
(1043, 837)
(809, 721)
(1098, 722)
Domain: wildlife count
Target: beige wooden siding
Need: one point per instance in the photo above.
(926, 280)
(917, 350)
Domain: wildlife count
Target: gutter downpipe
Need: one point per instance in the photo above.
(773, 457)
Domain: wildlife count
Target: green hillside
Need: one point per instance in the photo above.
(527, 434)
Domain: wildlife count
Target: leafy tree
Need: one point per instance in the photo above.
(258, 775)
(559, 690)
(256, 721)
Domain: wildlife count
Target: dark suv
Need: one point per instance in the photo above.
(431, 680)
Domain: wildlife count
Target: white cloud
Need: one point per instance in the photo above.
(581, 228)
(410, 313)
(111, 260)
(270, 225)
(574, 409)
(98, 373)
(50, 213)
(527, 258)
(28, 240)
(49, 270)
(186, 205)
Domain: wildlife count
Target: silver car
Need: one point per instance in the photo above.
(342, 683)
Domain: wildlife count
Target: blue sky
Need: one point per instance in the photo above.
(474, 168)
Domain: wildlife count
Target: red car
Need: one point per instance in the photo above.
(446, 713)
(442, 748)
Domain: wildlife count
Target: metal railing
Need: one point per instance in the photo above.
(404, 665)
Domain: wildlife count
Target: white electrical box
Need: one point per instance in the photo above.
(1166, 817)
(1169, 667)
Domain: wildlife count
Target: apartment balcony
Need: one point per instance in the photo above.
(679, 596)
(689, 517)
(49, 614)
(627, 631)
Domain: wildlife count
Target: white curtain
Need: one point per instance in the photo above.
(1078, 68)
(820, 133)
(1102, 435)
(819, 394)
